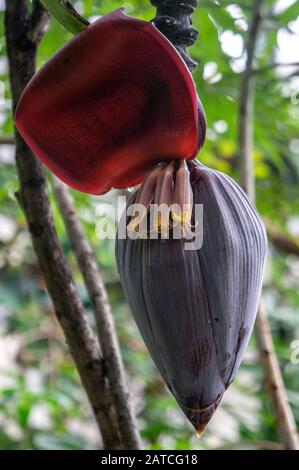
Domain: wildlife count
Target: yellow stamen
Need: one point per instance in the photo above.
(173, 200)
(182, 206)
(163, 198)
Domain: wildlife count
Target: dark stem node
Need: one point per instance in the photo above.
(173, 19)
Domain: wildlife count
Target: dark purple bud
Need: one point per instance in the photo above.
(196, 308)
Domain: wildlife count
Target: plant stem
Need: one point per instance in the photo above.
(66, 15)
(173, 19)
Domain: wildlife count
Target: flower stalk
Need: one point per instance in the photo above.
(66, 15)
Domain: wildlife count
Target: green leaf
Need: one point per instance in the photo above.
(67, 16)
(289, 14)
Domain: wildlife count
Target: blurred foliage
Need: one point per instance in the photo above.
(42, 405)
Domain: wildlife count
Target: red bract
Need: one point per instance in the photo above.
(112, 103)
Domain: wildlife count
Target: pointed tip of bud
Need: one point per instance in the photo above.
(200, 432)
(200, 417)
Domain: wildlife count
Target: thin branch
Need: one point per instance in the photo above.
(274, 65)
(7, 140)
(104, 320)
(283, 242)
(33, 197)
(285, 421)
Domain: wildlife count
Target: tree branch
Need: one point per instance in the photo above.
(246, 106)
(7, 140)
(285, 421)
(33, 195)
(282, 242)
(103, 315)
(274, 65)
